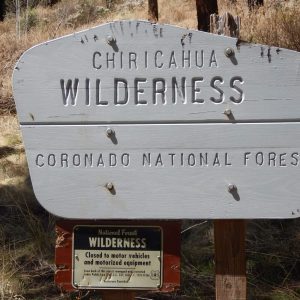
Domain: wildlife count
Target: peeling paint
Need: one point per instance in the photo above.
(269, 55)
(61, 239)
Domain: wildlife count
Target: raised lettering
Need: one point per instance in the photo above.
(117, 99)
(172, 61)
(186, 58)
(38, 161)
(69, 91)
(138, 91)
(161, 90)
(132, 59)
(95, 65)
(216, 88)
(98, 93)
(110, 60)
(159, 66)
(196, 90)
(237, 89)
(202, 59)
(176, 90)
(213, 59)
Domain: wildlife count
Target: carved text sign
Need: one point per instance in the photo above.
(138, 120)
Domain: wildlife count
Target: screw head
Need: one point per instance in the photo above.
(110, 186)
(75, 284)
(232, 188)
(227, 112)
(110, 132)
(229, 52)
(110, 39)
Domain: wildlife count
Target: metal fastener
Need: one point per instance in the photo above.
(110, 132)
(231, 188)
(110, 39)
(75, 284)
(229, 52)
(110, 186)
(228, 112)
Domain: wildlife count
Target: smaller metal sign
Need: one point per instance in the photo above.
(117, 257)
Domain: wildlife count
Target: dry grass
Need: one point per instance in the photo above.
(26, 230)
(181, 13)
(275, 24)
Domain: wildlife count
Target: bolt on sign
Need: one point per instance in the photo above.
(145, 121)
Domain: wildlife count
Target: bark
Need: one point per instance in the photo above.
(2, 10)
(204, 9)
(153, 10)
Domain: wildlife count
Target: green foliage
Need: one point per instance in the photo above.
(29, 20)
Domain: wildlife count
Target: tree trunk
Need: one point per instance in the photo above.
(205, 8)
(153, 10)
(2, 10)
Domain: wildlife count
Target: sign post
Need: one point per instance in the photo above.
(138, 121)
(229, 235)
(157, 113)
(230, 260)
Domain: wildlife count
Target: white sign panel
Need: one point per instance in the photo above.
(117, 257)
(138, 120)
(135, 71)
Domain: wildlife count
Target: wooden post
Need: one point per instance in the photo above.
(225, 25)
(230, 259)
(231, 281)
(2, 10)
(153, 10)
(118, 295)
(204, 10)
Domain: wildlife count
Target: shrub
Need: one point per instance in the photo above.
(87, 11)
(29, 20)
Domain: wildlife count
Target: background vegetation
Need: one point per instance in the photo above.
(27, 231)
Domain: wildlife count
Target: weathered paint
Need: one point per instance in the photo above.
(157, 171)
(257, 83)
(171, 250)
(117, 257)
(118, 120)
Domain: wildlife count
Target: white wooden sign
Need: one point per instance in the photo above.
(138, 120)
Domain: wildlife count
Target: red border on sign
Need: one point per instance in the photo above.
(171, 251)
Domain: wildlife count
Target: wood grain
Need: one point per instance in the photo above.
(153, 10)
(151, 186)
(230, 259)
(269, 77)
